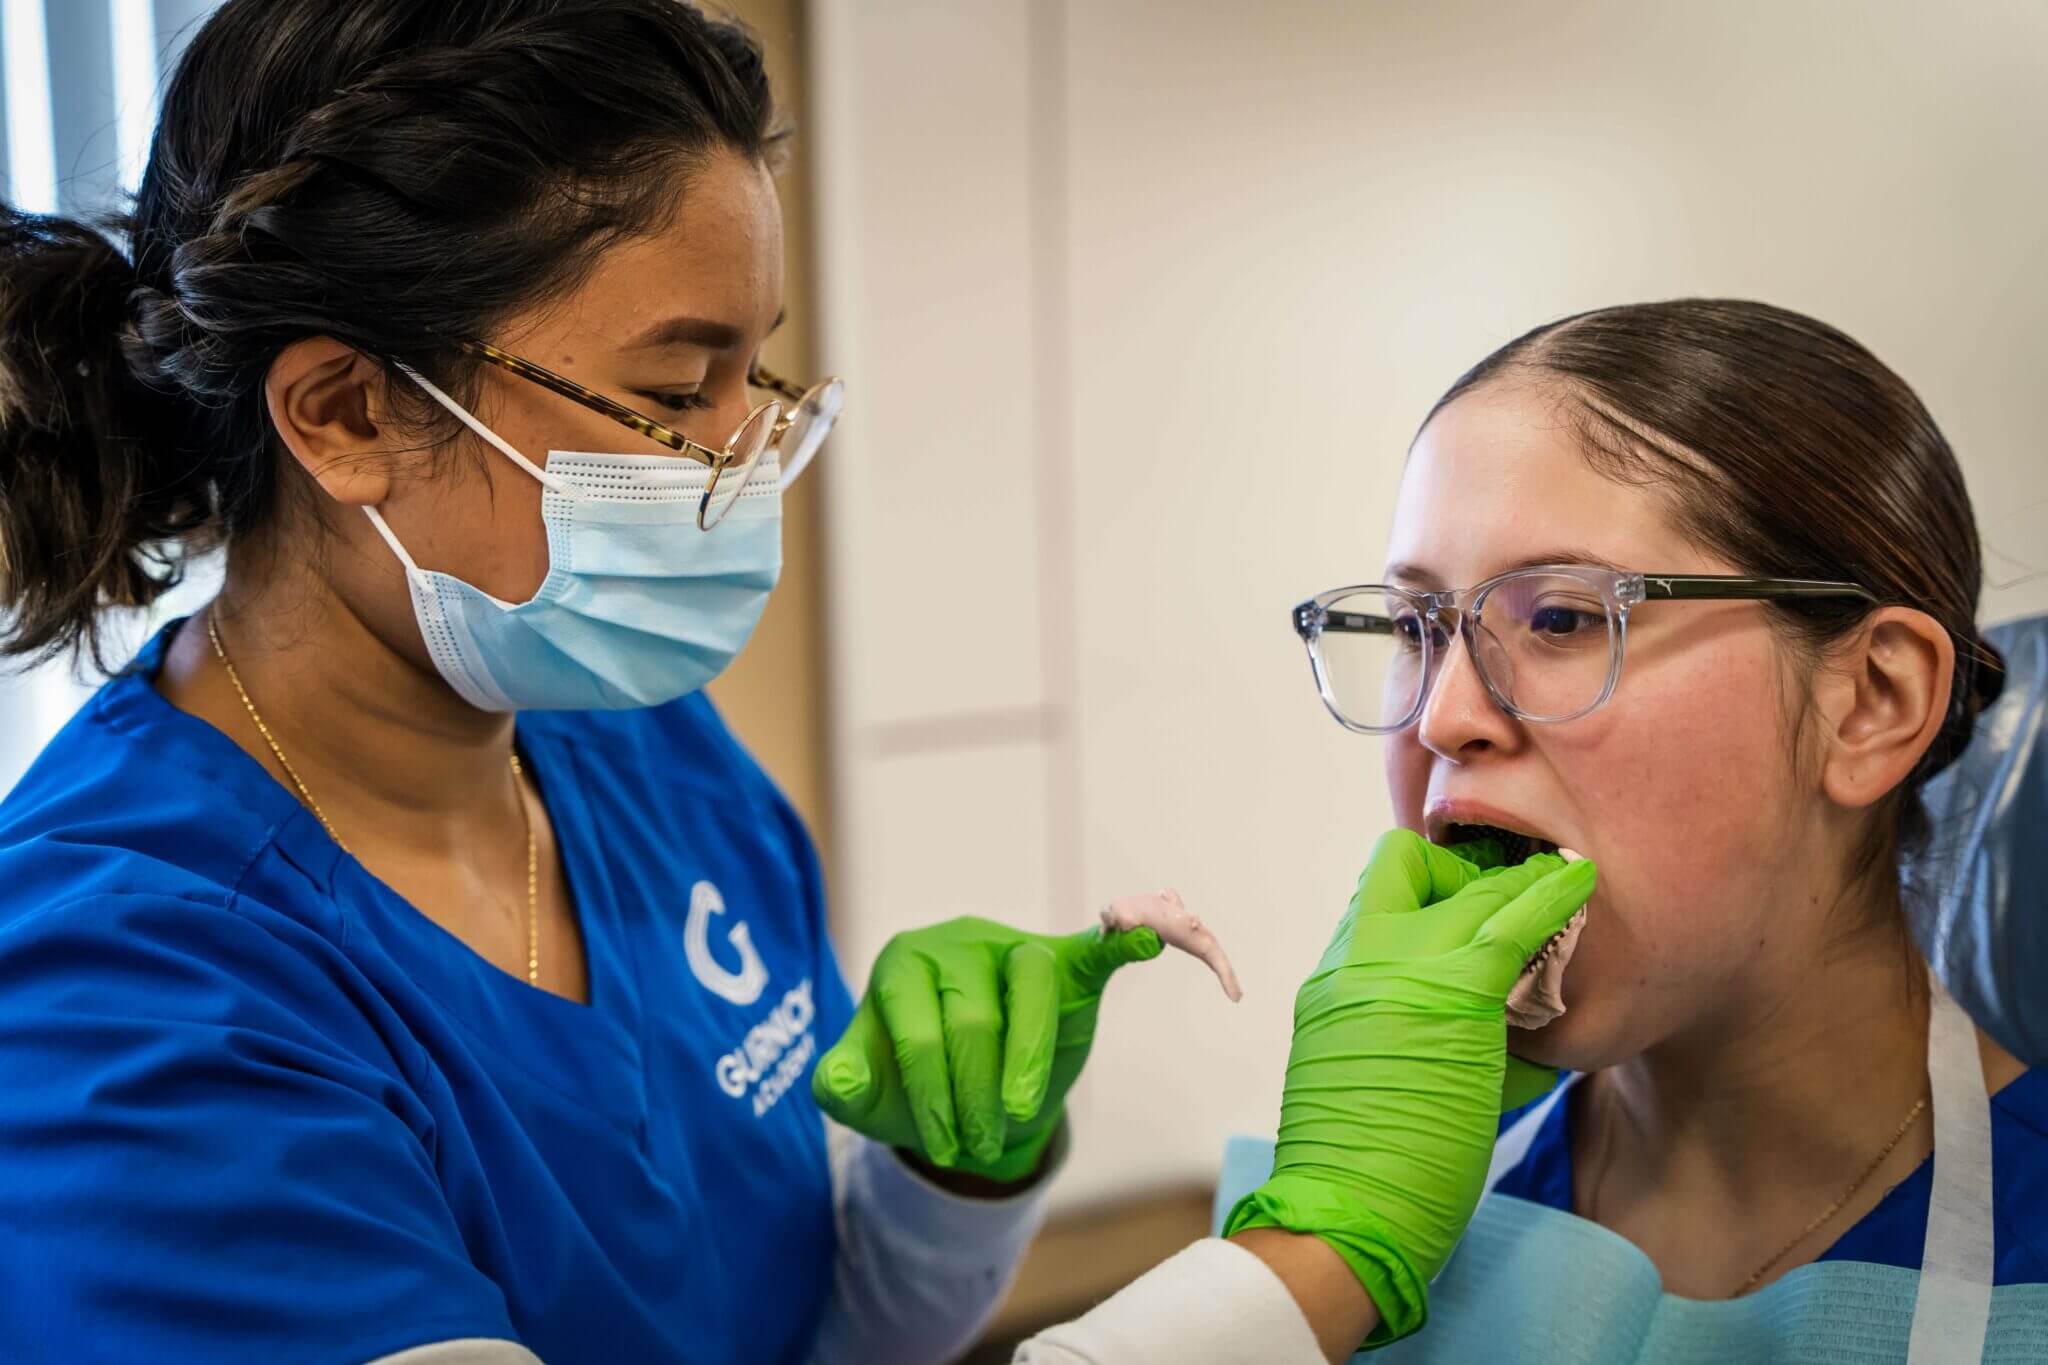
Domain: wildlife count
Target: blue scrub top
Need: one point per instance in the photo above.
(1895, 1232)
(256, 1107)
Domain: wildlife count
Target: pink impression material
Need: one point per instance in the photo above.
(1538, 994)
(1176, 925)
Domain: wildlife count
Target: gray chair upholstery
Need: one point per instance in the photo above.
(1978, 898)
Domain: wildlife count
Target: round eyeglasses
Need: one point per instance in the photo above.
(807, 421)
(1546, 641)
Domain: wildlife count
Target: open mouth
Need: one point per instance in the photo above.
(1537, 997)
(1515, 846)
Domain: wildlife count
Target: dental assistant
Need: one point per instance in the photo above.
(398, 959)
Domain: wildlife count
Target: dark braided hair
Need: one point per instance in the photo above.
(388, 173)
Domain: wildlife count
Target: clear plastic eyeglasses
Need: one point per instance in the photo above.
(1547, 642)
(806, 422)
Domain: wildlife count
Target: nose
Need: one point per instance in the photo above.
(725, 419)
(1459, 716)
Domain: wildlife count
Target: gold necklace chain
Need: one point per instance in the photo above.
(1593, 1199)
(1831, 1210)
(305, 794)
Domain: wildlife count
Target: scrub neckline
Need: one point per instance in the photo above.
(302, 837)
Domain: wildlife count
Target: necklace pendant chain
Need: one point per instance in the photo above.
(306, 795)
(532, 877)
(1846, 1195)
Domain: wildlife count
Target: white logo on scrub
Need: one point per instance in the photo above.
(743, 987)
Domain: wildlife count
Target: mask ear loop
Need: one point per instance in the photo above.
(384, 530)
(505, 447)
(463, 415)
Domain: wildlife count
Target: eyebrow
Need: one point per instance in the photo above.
(1404, 571)
(706, 333)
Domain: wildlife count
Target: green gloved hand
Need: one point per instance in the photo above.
(1525, 1081)
(968, 1039)
(1395, 1081)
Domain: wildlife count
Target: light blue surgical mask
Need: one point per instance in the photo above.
(639, 606)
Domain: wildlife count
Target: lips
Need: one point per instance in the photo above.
(1457, 822)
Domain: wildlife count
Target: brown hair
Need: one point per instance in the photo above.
(392, 174)
(1792, 451)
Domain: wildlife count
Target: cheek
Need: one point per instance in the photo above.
(1684, 793)
(481, 521)
(1407, 765)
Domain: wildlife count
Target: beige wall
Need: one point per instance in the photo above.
(1140, 303)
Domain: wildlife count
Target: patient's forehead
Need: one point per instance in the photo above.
(1498, 478)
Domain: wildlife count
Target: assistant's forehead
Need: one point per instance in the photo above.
(1499, 475)
(718, 256)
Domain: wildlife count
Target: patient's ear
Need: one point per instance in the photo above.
(1883, 697)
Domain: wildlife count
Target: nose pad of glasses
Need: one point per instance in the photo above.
(1489, 658)
(1496, 666)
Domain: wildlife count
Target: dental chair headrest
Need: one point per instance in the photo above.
(1978, 897)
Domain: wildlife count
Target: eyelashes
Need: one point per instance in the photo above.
(678, 402)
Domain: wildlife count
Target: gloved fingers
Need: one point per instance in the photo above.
(1089, 958)
(1486, 893)
(1506, 942)
(847, 1081)
(971, 1010)
(1484, 854)
(1405, 873)
(908, 997)
(1031, 1013)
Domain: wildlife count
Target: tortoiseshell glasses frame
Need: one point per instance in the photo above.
(731, 468)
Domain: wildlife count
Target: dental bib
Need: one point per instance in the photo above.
(1534, 1284)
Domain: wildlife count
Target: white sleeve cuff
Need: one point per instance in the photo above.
(919, 1270)
(1214, 1302)
(928, 1223)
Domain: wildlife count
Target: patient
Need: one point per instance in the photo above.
(1744, 992)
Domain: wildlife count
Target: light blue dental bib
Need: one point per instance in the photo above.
(1534, 1284)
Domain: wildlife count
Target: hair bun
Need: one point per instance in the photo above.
(90, 487)
(1988, 679)
(69, 282)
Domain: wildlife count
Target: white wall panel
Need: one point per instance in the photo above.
(927, 243)
(957, 832)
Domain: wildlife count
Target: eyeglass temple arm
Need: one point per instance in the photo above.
(1310, 618)
(597, 402)
(1740, 587)
(763, 378)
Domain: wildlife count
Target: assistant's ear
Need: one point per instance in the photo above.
(325, 401)
(1888, 697)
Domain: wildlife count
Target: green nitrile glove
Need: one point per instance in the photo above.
(1394, 1084)
(968, 1039)
(1525, 1080)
